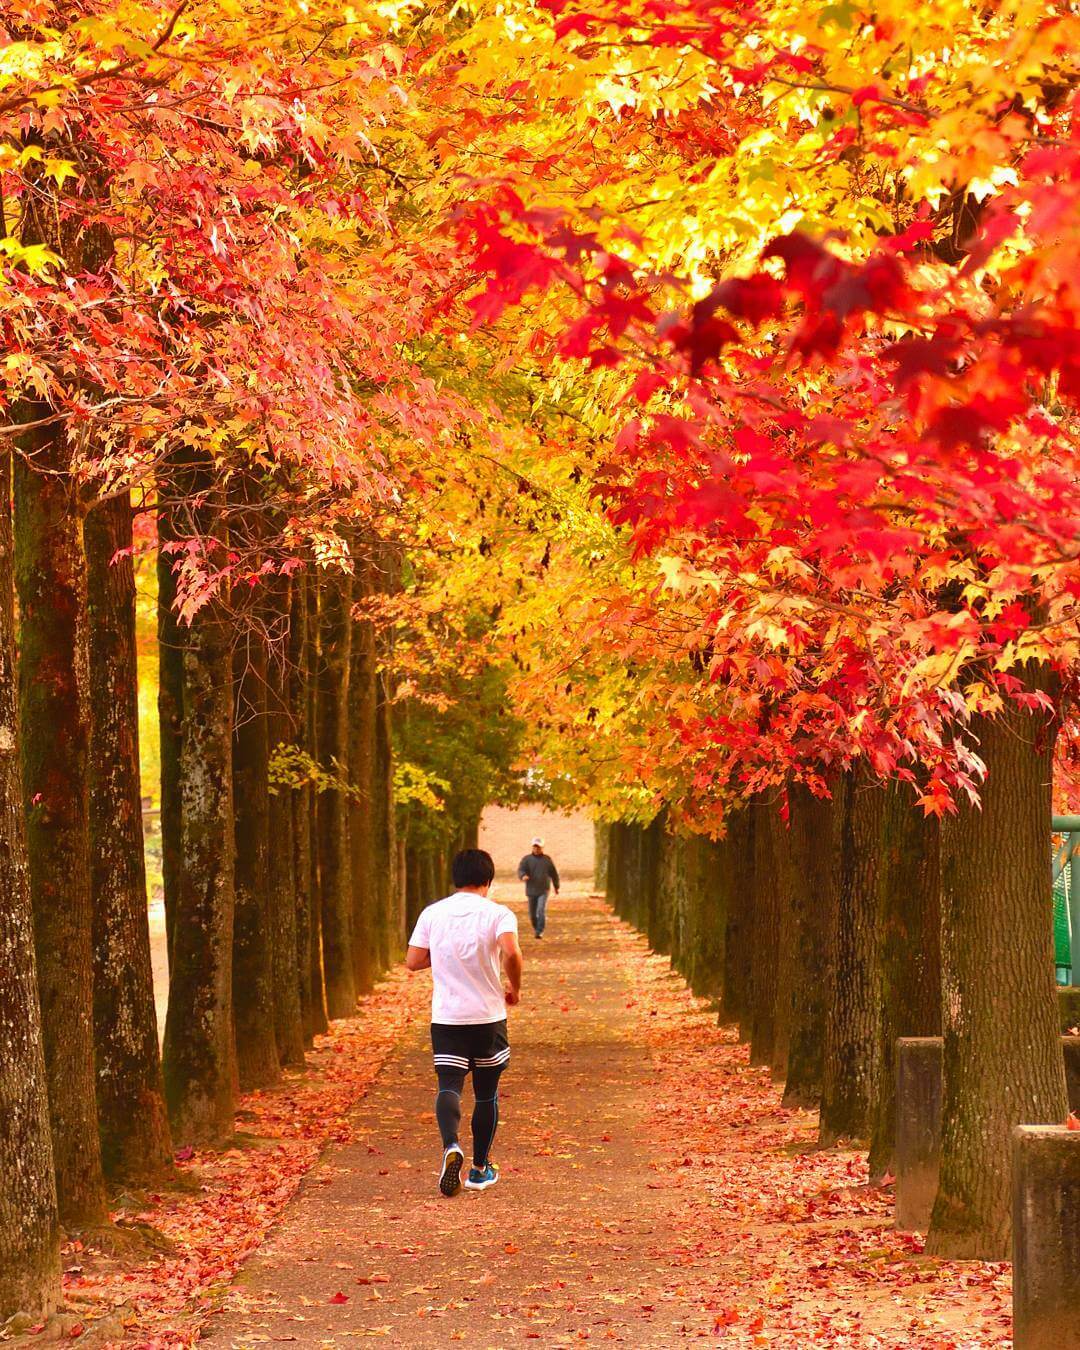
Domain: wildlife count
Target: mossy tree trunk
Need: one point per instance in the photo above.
(335, 635)
(853, 1006)
(1003, 1064)
(712, 898)
(738, 937)
(136, 1144)
(316, 1023)
(362, 717)
(601, 839)
(784, 999)
(762, 1011)
(389, 884)
(253, 956)
(170, 648)
(910, 953)
(54, 714)
(29, 1229)
(283, 903)
(813, 836)
(198, 1056)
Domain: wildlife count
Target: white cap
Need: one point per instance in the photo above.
(538, 842)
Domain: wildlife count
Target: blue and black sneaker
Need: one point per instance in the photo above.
(450, 1177)
(480, 1178)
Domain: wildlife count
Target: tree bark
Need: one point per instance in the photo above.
(198, 1053)
(253, 970)
(813, 829)
(29, 1228)
(852, 1016)
(300, 799)
(601, 840)
(320, 1023)
(739, 849)
(54, 714)
(335, 625)
(288, 1023)
(362, 715)
(1002, 1059)
(170, 648)
(390, 885)
(711, 901)
(910, 953)
(136, 1145)
(764, 947)
(784, 998)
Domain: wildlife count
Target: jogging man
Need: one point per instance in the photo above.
(465, 939)
(538, 873)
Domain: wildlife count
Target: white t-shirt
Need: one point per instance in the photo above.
(461, 933)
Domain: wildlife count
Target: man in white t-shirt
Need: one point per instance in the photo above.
(470, 944)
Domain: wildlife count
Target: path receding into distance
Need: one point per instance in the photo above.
(651, 1192)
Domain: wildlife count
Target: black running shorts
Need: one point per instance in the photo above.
(479, 1046)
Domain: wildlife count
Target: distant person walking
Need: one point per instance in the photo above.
(539, 874)
(470, 943)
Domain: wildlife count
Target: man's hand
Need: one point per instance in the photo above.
(513, 996)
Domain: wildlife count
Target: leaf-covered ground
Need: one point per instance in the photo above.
(239, 1193)
(652, 1191)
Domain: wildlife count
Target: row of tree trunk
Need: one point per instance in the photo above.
(830, 929)
(278, 840)
(425, 864)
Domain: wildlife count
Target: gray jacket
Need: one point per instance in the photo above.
(538, 873)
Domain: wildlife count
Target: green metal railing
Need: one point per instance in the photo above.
(1066, 847)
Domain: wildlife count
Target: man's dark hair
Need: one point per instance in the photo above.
(472, 867)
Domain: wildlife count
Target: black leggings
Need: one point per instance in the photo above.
(484, 1051)
(485, 1116)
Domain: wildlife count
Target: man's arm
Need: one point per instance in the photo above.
(417, 958)
(512, 962)
(523, 870)
(554, 875)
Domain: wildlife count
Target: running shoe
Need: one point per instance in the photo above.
(480, 1178)
(450, 1177)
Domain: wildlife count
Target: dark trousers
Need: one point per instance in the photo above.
(538, 911)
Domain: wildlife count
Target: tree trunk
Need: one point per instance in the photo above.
(414, 903)
(288, 1023)
(784, 997)
(300, 799)
(738, 933)
(170, 645)
(29, 1229)
(335, 625)
(852, 1016)
(54, 715)
(710, 906)
(1002, 1061)
(910, 953)
(813, 844)
(764, 948)
(320, 1021)
(253, 970)
(390, 884)
(198, 1055)
(389, 854)
(601, 839)
(135, 1141)
(616, 840)
(362, 716)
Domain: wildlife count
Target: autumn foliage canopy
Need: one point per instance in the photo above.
(726, 352)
